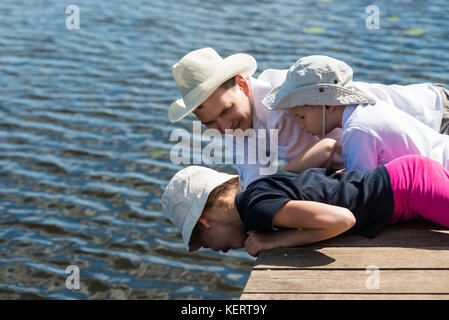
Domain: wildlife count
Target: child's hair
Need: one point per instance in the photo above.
(229, 185)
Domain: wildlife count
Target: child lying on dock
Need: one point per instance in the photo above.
(402, 172)
(290, 209)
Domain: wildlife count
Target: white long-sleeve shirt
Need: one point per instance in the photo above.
(374, 135)
(420, 101)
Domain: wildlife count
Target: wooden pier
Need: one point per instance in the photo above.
(405, 261)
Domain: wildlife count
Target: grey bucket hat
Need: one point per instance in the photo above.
(317, 80)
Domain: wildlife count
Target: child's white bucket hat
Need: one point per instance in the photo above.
(316, 81)
(199, 73)
(186, 194)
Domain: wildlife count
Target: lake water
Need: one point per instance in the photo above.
(84, 134)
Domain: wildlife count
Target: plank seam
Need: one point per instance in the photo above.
(348, 293)
(345, 269)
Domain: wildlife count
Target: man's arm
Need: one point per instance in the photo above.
(309, 222)
(317, 155)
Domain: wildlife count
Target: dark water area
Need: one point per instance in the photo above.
(85, 138)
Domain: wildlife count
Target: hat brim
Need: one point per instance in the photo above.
(317, 94)
(190, 224)
(186, 195)
(239, 63)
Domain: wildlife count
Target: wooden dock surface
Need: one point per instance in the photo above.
(405, 261)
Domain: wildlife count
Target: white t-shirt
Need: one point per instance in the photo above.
(374, 135)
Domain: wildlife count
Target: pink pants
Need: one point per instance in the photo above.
(420, 188)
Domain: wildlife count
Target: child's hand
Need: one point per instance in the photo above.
(257, 242)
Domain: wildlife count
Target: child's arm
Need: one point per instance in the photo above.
(317, 155)
(310, 222)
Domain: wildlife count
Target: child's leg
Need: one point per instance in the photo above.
(420, 188)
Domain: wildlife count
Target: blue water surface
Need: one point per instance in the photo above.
(85, 138)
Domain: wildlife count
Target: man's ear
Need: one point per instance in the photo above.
(242, 84)
(204, 222)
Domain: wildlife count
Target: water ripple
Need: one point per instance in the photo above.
(85, 139)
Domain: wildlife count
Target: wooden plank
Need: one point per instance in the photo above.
(418, 237)
(317, 296)
(412, 259)
(347, 281)
(354, 258)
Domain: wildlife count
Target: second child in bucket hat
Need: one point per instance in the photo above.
(379, 123)
(289, 209)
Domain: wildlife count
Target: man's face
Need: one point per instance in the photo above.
(226, 109)
(310, 118)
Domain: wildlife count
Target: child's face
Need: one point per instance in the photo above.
(218, 233)
(310, 118)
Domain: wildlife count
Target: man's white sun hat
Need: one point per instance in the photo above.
(317, 81)
(199, 73)
(186, 194)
